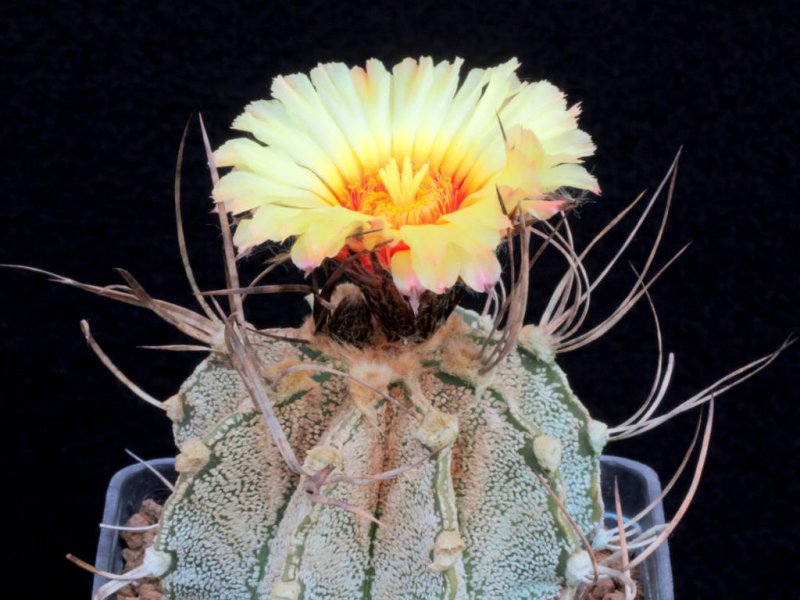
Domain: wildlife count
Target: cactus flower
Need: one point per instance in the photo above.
(411, 160)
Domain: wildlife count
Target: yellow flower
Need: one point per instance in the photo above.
(345, 159)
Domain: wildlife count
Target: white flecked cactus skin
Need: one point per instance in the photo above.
(469, 516)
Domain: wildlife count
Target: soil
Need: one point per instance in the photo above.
(611, 590)
(150, 588)
(133, 555)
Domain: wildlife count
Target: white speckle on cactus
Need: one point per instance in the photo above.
(498, 498)
(286, 590)
(446, 550)
(579, 568)
(193, 456)
(598, 434)
(437, 430)
(548, 451)
(174, 408)
(214, 391)
(320, 457)
(156, 561)
(538, 342)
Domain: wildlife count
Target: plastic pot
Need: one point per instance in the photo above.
(638, 485)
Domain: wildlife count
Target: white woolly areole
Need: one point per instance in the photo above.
(460, 357)
(579, 568)
(194, 455)
(538, 342)
(377, 374)
(320, 457)
(157, 561)
(548, 451)
(598, 435)
(286, 590)
(446, 550)
(174, 408)
(247, 406)
(218, 343)
(602, 538)
(437, 430)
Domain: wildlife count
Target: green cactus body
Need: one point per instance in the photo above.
(468, 518)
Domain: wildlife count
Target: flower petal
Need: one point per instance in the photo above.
(269, 122)
(322, 234)
(242, 191)
(437, 105)
(374, 88)
(403, 273)
(304, 107)
(435, 263)
(336, 87)
(542, 209)
(269, 163)
(482, 127)
(568, 175)
(411, 81)
(480, 271)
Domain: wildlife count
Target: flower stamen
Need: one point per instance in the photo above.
(402, 185)
(405, 196)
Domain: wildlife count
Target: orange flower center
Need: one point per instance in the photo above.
(405, 195)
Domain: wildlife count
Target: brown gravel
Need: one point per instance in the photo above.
(137, 542)
(611, 590)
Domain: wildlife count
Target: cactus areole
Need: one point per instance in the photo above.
(395, 445)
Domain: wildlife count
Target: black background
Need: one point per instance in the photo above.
(93, 103)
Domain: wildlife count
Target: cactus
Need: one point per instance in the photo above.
(472, 519)
(398, 445)
(453, 462)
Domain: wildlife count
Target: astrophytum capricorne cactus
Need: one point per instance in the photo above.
(468, 516)
(396, 445)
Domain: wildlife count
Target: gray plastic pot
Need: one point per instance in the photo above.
(638, 485)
